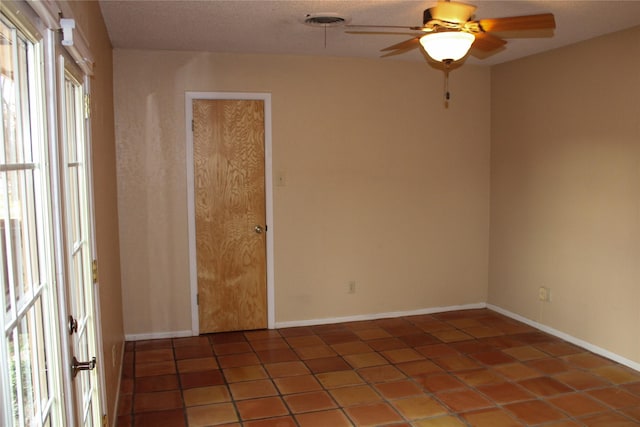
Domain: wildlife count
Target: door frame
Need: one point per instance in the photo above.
(268, 181)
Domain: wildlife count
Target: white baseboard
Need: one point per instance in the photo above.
(569, 338)
(158, 335)
(387, 315)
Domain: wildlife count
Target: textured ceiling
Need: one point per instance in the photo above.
(276, 27)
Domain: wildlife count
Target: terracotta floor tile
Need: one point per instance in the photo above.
(402, 355)
(244, 373)
(379, 374)
(464, 400)
(577, 404)
(373, 414)
(472, 346)
(549, 366)
(155, 368)
(286, 369)
(296, 331)
(617, 374)
(451, 335)
(309, 402)
(414, 408)
(516, 371)
(564, 423)
(272, 422)
(544, 386)
(436, 326)
(126, 386)
(352, 347)
(238, 360)
(609, 419)
(201, 379)
(482, 331)
(227, 337)
(297, 384)
(418, 339)
(199, 341)
(174, 418)
(157, 401)
(534, 412)
(263, 334)
(633, 388)
(333, 418)
(127, 420)
(398, 389)
(456, 363)
(210, 415)
(232, 348)
(633, 413)
(157, 383)
(193, 352)
(446, 421)
(339, 338)
(270, 344)
(125, 404)
(493, 358)
(493, 417)
(314, 352)
(525, 353)
(419, 368)
(587, 360)
(479, 377)
(387, 344)
(439, 382)
(277, 355)
(364, 360)
(304, 341)
(581, 380)
(267, 407)
(505, 393)
(206, 395)
(152, 344)
(159, 355)
(339, 379)
(252, 389)
(197, 365)
(434, 351)
(372, 334)
(355, 395)
(615, 397)
(327, 364)
(558, 349)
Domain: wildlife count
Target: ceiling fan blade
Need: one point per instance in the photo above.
(516, 23)
(487, 42)
(450, 11)
(397, 52)
(407, 44)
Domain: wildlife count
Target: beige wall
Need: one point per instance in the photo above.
(383, 185)
(565, 190)
(90, 20)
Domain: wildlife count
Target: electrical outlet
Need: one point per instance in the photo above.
(544, 294)
(352, 287)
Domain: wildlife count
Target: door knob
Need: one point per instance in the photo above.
(73, 325)
(258, 229)
(77, 366)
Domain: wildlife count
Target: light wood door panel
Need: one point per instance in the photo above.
(229, 191)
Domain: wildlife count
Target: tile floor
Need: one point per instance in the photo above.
(463, 368)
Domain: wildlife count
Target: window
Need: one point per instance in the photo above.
(30, 342)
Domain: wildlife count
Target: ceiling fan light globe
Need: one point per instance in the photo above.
(447, 45)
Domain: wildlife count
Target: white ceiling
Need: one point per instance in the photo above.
(276, 26)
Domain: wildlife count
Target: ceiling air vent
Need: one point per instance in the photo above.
(325, 20)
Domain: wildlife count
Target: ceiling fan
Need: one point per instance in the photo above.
(449, 31)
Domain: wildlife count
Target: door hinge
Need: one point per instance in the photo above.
(87, 106)
(105, 421)
(94, 271)
(193, 126)
(197, 299)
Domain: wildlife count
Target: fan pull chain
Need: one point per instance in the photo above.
(447, 94)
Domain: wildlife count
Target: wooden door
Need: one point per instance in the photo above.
(230, 223)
